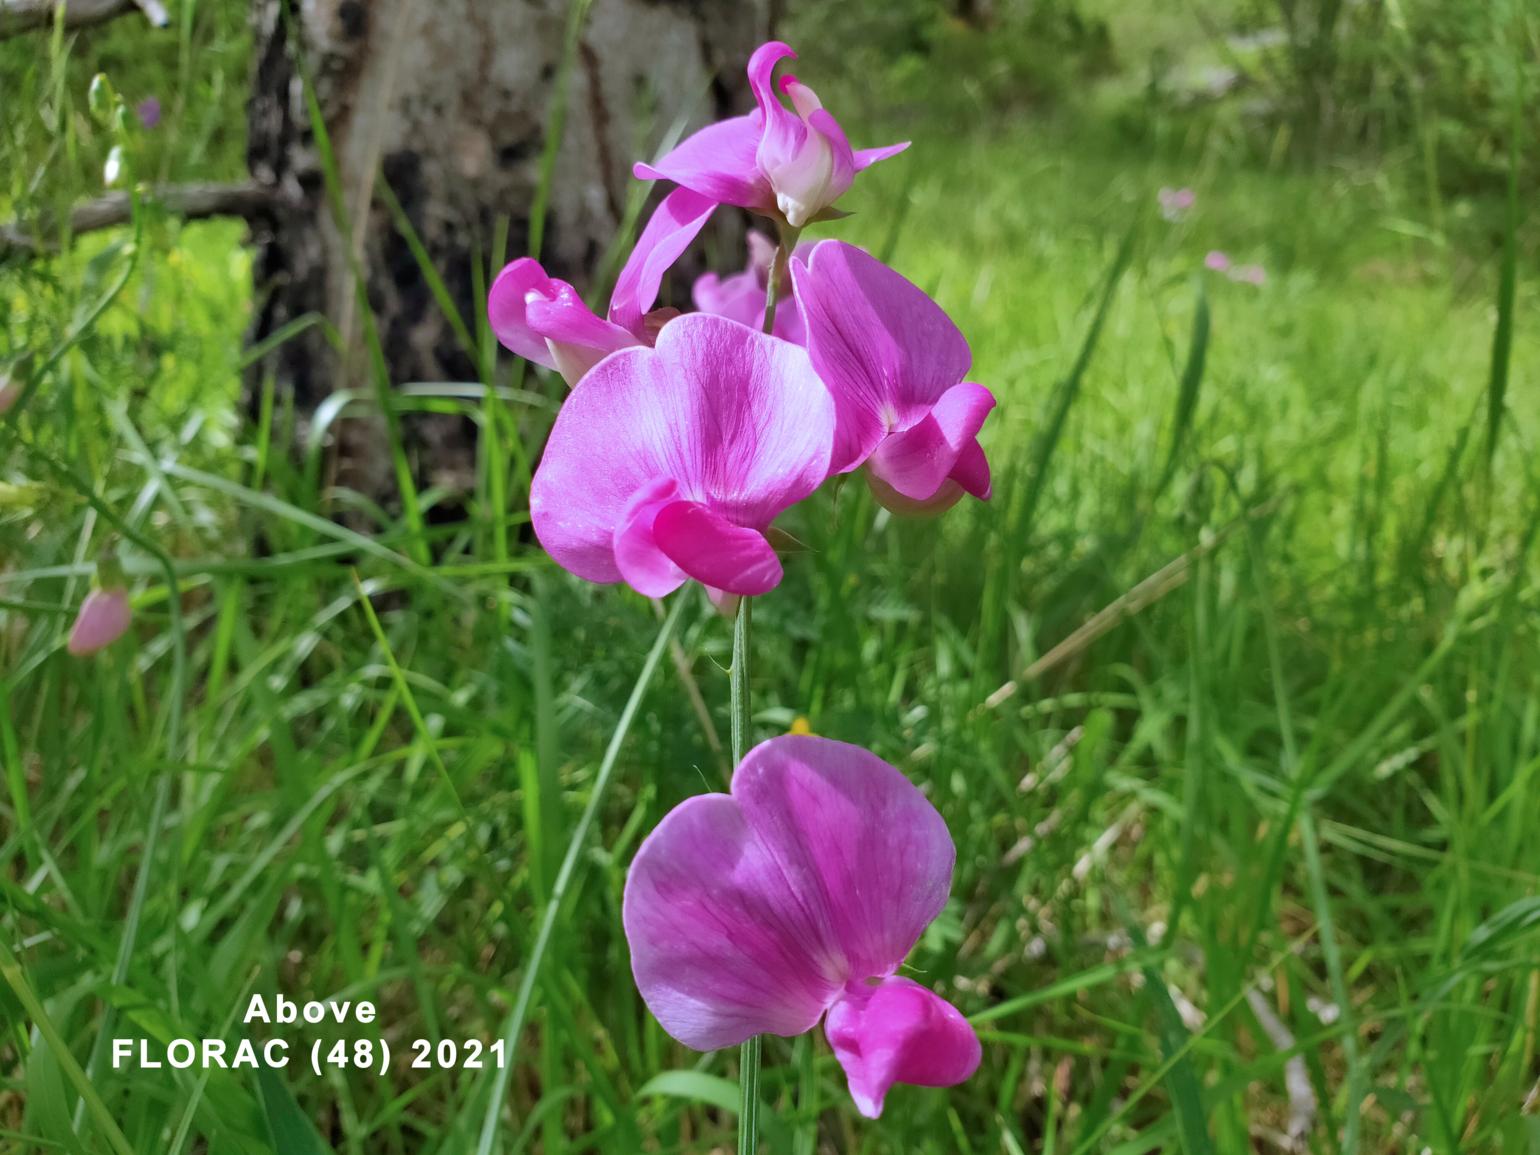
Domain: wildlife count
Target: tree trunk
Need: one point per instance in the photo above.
(447, 102)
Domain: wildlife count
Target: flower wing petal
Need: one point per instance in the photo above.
(866, 853)
(717, 162)
(899, 1032)
(714, 551)
(918, 460)
(866, 157)
(643, 566)
(507, 306)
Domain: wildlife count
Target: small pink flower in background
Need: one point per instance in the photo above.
(800, 893)
(103, 619)
(10, 393)
(670, 463)
(895, 363)
(546, 321)
(1247, 274)
(148, 111)
(1176, 203)
(741, 296)
(791, 163)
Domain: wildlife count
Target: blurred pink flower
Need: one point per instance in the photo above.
(789, 163)
(1249, 274)
(148, 111)
(741, 296)
(545, 320)
(801, 893)
(895, 363)
(1176, 203)
(1217, 261)
(103, 619)
(670, 463)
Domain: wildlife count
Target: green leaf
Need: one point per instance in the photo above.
(694, 1086)
(290, 1128)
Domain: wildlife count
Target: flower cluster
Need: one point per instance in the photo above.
(797, 896)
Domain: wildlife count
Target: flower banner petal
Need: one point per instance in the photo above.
(717, 162)
(737, 419)
(868, 856)
(886, 350)
(718, 942)
(675, 223)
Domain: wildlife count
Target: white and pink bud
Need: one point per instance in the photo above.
(104, 618)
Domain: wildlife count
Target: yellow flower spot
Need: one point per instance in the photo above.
(800, 725)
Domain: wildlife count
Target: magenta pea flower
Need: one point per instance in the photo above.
(545, 320)
(741, 296)
(895, 363)
(1217, 261)
(1176, 203)
(103, 619)
(670, 463)
(797, 896)
(787, 163)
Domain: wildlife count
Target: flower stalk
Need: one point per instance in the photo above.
(778, 273)
(749, 1050)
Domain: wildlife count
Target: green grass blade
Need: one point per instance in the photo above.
(575, 845)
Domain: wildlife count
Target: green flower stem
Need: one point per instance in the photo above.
(783, 252)
(748, 1061)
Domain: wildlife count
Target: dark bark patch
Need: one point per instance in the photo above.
(354, 18)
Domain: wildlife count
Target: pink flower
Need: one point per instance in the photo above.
(895, 364)
(670, 463)
(1176, 203)
(148, 111)
(800, 893)
(1249, 274)
(10, 393)
(1217, 261)
(741, 296)
(788, 163)
(545, 320)
(103, 619)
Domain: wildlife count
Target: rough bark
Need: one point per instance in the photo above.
(447, 101)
